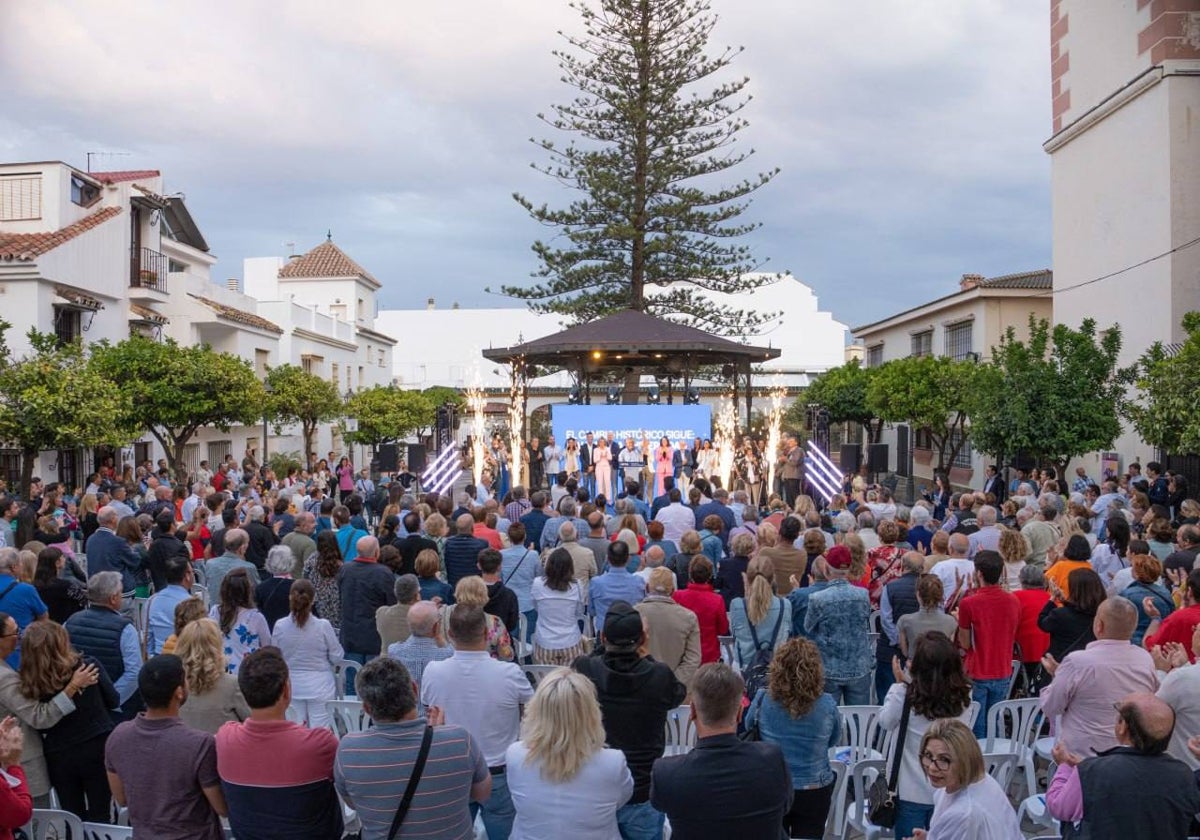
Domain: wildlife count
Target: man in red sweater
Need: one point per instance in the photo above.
(1179, 625)
(987, 628)
(708, 606)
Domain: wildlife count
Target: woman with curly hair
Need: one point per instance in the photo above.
(935, 687)
(322, 569)
(857, 574)
(794, 712)
(243, 627)
(1014, 550)
(213, 694)
(473, 592)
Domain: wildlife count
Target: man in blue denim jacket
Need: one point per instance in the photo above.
(838, 620)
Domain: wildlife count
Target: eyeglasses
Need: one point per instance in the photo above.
(941, 762)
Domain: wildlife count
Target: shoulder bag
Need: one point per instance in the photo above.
(518, 566)
(881, 795)
(413, 780)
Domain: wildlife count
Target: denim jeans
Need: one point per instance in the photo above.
(855, 691)
(531, 624)
(988, 693)
(910, 815)
(883, 681)
(640, 822)
(499, 811)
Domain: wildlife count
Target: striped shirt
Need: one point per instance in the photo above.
(373, 767)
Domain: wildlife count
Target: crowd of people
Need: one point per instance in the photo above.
(173, 649)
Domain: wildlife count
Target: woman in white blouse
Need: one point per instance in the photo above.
(310, 647)
(560, 772)
(558, 600)
(243, 628)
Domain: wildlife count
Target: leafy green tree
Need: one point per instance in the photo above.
(1163, 409)
(176, 390)
(932, 393)
(1053, 397)
(655, 133)
(296, 396)
(842, 391)
(387, 414)
(56, 397)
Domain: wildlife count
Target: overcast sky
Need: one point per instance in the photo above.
(908, 131)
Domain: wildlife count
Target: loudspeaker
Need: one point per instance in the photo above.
(416, 458)
(877, 457)
(851, 455)
(387, 458)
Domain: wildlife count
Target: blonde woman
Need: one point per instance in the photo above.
(472, 592)
(1014, 549)
(761, 615)
(768, 535)
(435, 529)
(560, 769)
(213, 694)
(967, 802)
(857, 573)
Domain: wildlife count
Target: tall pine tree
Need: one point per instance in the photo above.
(648, 147)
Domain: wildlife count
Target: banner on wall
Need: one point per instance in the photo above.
(676, 422)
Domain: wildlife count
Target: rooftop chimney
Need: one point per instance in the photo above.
(970, 281)
(232, 284)
(429, 303)
(455, 306)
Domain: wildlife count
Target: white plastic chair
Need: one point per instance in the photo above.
(860, 728)
(680, 731)
(104, 831)
(523, 648)
(51, 824)
(141, 616)
(1016, 676)
(1024, 719)
(728, 651)
(1034, 809)
(1001, 767)
(536, 673)
(348, 716)
(862, 774)
(340, 670)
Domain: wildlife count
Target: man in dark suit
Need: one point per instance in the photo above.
(109, 553)
(587, 478)
(662, 501)
(720, 508)
(747, 788)
(462, 550)
(992, 483)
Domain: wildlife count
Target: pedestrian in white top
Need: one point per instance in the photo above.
(955, 572)
(676, 519)
(967, 802)
(558, 601)
(483, 696)
(311, 649)
(560, 766)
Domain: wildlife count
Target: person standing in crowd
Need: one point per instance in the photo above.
(109, 553)
(616, 584)
(16, 802)
(1134, 789)
(310, 647)
(747, 785)
(160, 622)
(760, 615)
(934, 687)
(243, 626)
(674, 630)
(518, 569)
(164, 771)
(838, 619)
(1179, 625)
(788, 560)
(276, 775)
(300, 542)
(19, 600)
(461, 551)
(558, 601)
(635, 692)
(1070, 625)
(897, 600)
(794, 712)
(987, 627)
(967, 802)
(1147, 573)
(561, 766)
(164, 544)
(484, 696)
(374, 767)
(425, 644)
(392, 621)
(272, 594)
(501, 601)
(708, 606)
(73, 747)
(1032, 641)
(236, 542)
(365, 585)
(213, 693)
(109, 637)
(322, 570)
(930, 616)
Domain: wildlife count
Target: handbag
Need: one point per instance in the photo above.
(881, 795)
(413, 779)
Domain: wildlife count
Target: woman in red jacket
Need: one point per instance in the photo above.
(16, 805)
(1031, 639)
(708, 606)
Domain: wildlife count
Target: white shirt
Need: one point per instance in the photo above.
(980, 811)
(480, 694)
(313, 647)
(558, 615)
(1180, 689)
(676, 519)
(882, 511)
(913, 786)
(589, 800)
(946, 570)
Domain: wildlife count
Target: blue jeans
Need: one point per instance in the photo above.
(855, 691)
(910, 815)
(988, 693)
(883, 681)
(531, 625)
(499, 811)
(640, 822)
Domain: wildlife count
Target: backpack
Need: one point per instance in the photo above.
(755, 672)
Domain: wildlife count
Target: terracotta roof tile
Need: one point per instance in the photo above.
(123, 175)
(326, 260)
(78, 298)
(26, 247)
(138, 312)
(239, 316)
(1041, 279)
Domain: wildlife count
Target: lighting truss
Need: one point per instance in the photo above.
(822, 473)
(443, 472)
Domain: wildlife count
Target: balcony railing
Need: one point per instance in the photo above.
(148, 270)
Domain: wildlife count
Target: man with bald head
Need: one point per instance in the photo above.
(107, 552)
(424, 643)
(364, 585)
(956, 569)
(461, 551)
(1134, 789)
(1087, 682)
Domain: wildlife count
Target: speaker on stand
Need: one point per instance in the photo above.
(849, 458)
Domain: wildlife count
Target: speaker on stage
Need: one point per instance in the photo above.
(851, 455)
(388, 461)
(416, 458)
(877, 457)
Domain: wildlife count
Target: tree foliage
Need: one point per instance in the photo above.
(842, 391)
(1164, 409)
(57, 398)
(932, 393)
(296, 396)
(387, 414)
(649, 147)
(176, 390)
(1053, 397)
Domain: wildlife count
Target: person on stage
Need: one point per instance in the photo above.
(602, 461)
(664, 465)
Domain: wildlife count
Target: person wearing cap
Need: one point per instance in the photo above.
(636, 692)
(674, 630)
(838, 620)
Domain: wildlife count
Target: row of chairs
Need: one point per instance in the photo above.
(48, 824)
